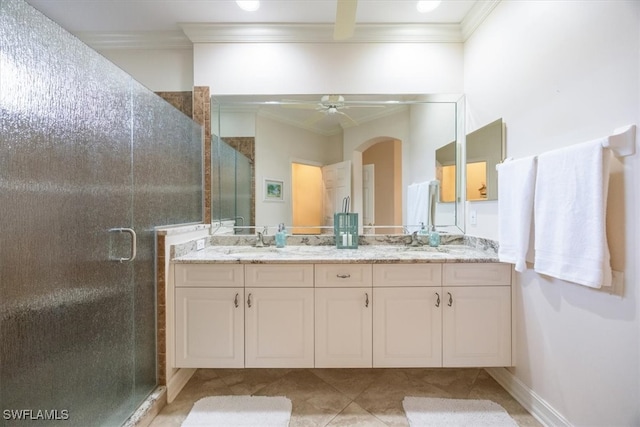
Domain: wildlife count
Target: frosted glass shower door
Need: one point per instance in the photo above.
(243, 190)
(66, 306)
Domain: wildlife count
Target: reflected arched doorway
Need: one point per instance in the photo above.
(382, 185)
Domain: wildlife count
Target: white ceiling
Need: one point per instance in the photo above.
(167, 15)
(105, 24)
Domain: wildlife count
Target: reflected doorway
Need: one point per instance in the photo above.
(306, 198)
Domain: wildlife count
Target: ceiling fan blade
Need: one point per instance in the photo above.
(316, 117)
(345, 19)
(347, 118)
(300, 105)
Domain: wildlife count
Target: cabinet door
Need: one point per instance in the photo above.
(477, 326)
(407, 325)
(343, 327)
(209, 328)
(279, 328)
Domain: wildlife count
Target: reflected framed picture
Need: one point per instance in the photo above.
(273, 190)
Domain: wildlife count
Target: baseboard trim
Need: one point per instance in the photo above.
(533, 403)
(177, 382)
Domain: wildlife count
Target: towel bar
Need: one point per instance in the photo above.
(622, 142)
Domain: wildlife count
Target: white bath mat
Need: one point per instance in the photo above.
(240, 411)
(432, 412)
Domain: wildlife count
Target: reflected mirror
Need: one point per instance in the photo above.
(321, 149)
(485, 148)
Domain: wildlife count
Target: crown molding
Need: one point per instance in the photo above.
(320, 33)
(135, 40)
(476, 16)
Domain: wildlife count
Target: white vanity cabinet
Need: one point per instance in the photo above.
(476, 314)
(451, 315)
(209, 316)
(343, 316)
(279, 316)
(407, 316)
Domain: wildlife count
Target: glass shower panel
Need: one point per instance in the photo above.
(244, 179)
(167, 189)
(65, 173)
(227, 159)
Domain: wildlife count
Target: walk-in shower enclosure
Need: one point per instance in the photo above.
(85, 150)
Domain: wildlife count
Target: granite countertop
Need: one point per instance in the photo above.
(330, 254)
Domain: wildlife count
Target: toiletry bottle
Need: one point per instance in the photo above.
(434, 237)
(423, 230)
(281, 236)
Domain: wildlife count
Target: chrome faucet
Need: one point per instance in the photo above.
(260, 240)
(415, 240)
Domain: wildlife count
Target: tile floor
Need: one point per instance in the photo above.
(343, 397)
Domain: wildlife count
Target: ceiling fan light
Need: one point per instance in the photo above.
(425, 6)
(248, 5)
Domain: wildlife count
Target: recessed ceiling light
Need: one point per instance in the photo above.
(249, 6)
(425, 6)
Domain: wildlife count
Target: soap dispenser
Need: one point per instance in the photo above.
(423, 230)
(281, 236)
(434, 237)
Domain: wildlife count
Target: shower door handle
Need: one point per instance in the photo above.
(134, 243)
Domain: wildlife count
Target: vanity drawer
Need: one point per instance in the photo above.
(209, 275)
(477, 274)
(343, 275)
(279, 275)
(390, 275)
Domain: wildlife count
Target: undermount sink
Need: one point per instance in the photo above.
(251, 249)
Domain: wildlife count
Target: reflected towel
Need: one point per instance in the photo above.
(570, 214)
(417, 206)
(516, 184)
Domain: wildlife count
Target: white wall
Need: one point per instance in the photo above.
(277, 144)
(159, 70)
(345, 68)
(560, 73)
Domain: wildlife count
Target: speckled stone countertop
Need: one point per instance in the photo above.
(374, 250)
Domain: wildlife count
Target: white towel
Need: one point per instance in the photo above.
(417, 206)
(570, 214)
(516, 184)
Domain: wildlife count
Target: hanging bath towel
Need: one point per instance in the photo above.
(516, 185)
(570, 214)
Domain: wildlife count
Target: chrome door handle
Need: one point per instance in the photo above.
(450, 299)
(134, 243)
(366, 299)
(235, 301)
(249, 301)
(437, 300)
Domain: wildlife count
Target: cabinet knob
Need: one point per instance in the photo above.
(235, 301)
(450, 299)
(366, 299)
(343, 276)
(437, 300)
(249, 301)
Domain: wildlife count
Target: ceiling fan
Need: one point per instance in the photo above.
(345, 19)
(329, 106)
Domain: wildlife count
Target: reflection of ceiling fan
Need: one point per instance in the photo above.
(329, 105)
(345, 19)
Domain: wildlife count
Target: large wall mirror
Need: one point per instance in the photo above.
(294, 159)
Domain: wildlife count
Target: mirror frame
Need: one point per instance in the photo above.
(459, 104)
